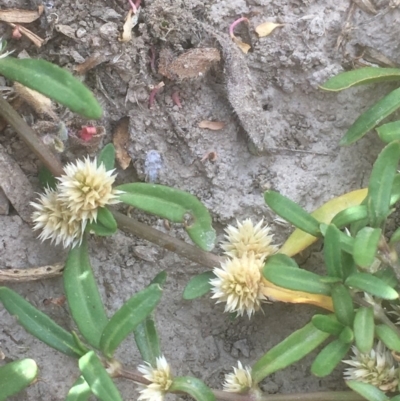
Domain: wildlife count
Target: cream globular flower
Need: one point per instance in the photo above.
(239, 283)
(377, 368)
(86, 187)
(160, 378)
(238, 381)
(56, 221)
(247, 238)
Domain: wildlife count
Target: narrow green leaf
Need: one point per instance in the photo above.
(46, 178)
(296, 279)
(290, 350)
(381, 182)
(372, 117)
(127, 318)
(330, 280)
(38, 324)
(329, 358)
(343, 304)
(366, 246)
(80, 391)
(159, 278)
(348, 264)
(282, 259)
(175, 205)
(147, 341)
(292, 212)
(368, 391)
(332, 252)
(395, 237)
(389, 132)
(80, 344)
(347, 335)
(15, 376)
(194, 387)
(105, 224)
(97, 378)
(364, 327)
(53, 82)
(350, 215)
(83, 295)
(361, 76)
(346, 241)
(371, 284)
(395, 194)
(388, 336)
(198, 285)
(388, 276)
(327, 324)
(107, 157)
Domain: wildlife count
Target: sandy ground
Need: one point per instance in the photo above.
(286, 69)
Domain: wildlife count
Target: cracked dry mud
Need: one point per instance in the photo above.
(289, 111)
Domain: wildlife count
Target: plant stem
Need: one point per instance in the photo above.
(30, 138)
(172, 244)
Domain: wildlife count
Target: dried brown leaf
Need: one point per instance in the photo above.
(121, 142)
(266, 28)
(211, 125)
(131, 21)
(37, 40)
(244, 47)
(90, 62)
(18, 16)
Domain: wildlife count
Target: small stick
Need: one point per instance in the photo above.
(154, 92)
(234, 24)
(30, 274)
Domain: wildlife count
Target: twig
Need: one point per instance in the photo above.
(172, 244)
(30, 138)
(30, 274)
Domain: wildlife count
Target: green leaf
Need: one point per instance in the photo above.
(38, 324)
(147, 341)
(332, 252)
(329, 358)
(395, 194)
(361, 76)
(388, 276)
(160, 278)
(292, 349)
(349, 266)
(105, 224)
(350, 215)
(107, 157)
(127, 318)
(15, 376)
(83, 295)
(327, 324)
(395, 237)
(368, 391)
(347, 335)
(80, 391)
(389, 132)
(97, 378)
(294, 278)
(372, 117)
(292, 212)
(282, 259)
(380, 183)
(366, 246)
(364, 327)
(343, 304)
(198, 285)
(46, 178)
(53, 82)
(194, 387)
(371, 284)
(175, 205)
(388, 336)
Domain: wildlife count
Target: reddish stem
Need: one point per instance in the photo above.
(154, 92)
(234, 24)
(134, 5)
(176, 99)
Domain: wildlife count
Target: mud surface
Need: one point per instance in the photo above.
(285, 110)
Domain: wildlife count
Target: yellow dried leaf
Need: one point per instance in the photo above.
(266, 28)
(299, 240)
(131, 20)
(17, 16)
(211, 125)
(244, 47)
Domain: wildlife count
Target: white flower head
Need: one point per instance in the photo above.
(57, 223)
(239, 283)
(160, 378)
(238, 381)
(248, 238)
(85, 187)
(377, 368)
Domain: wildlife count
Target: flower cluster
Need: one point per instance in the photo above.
(160, 378)
(239, 282)
(238, 381)
(377, 368)
(63, 214)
